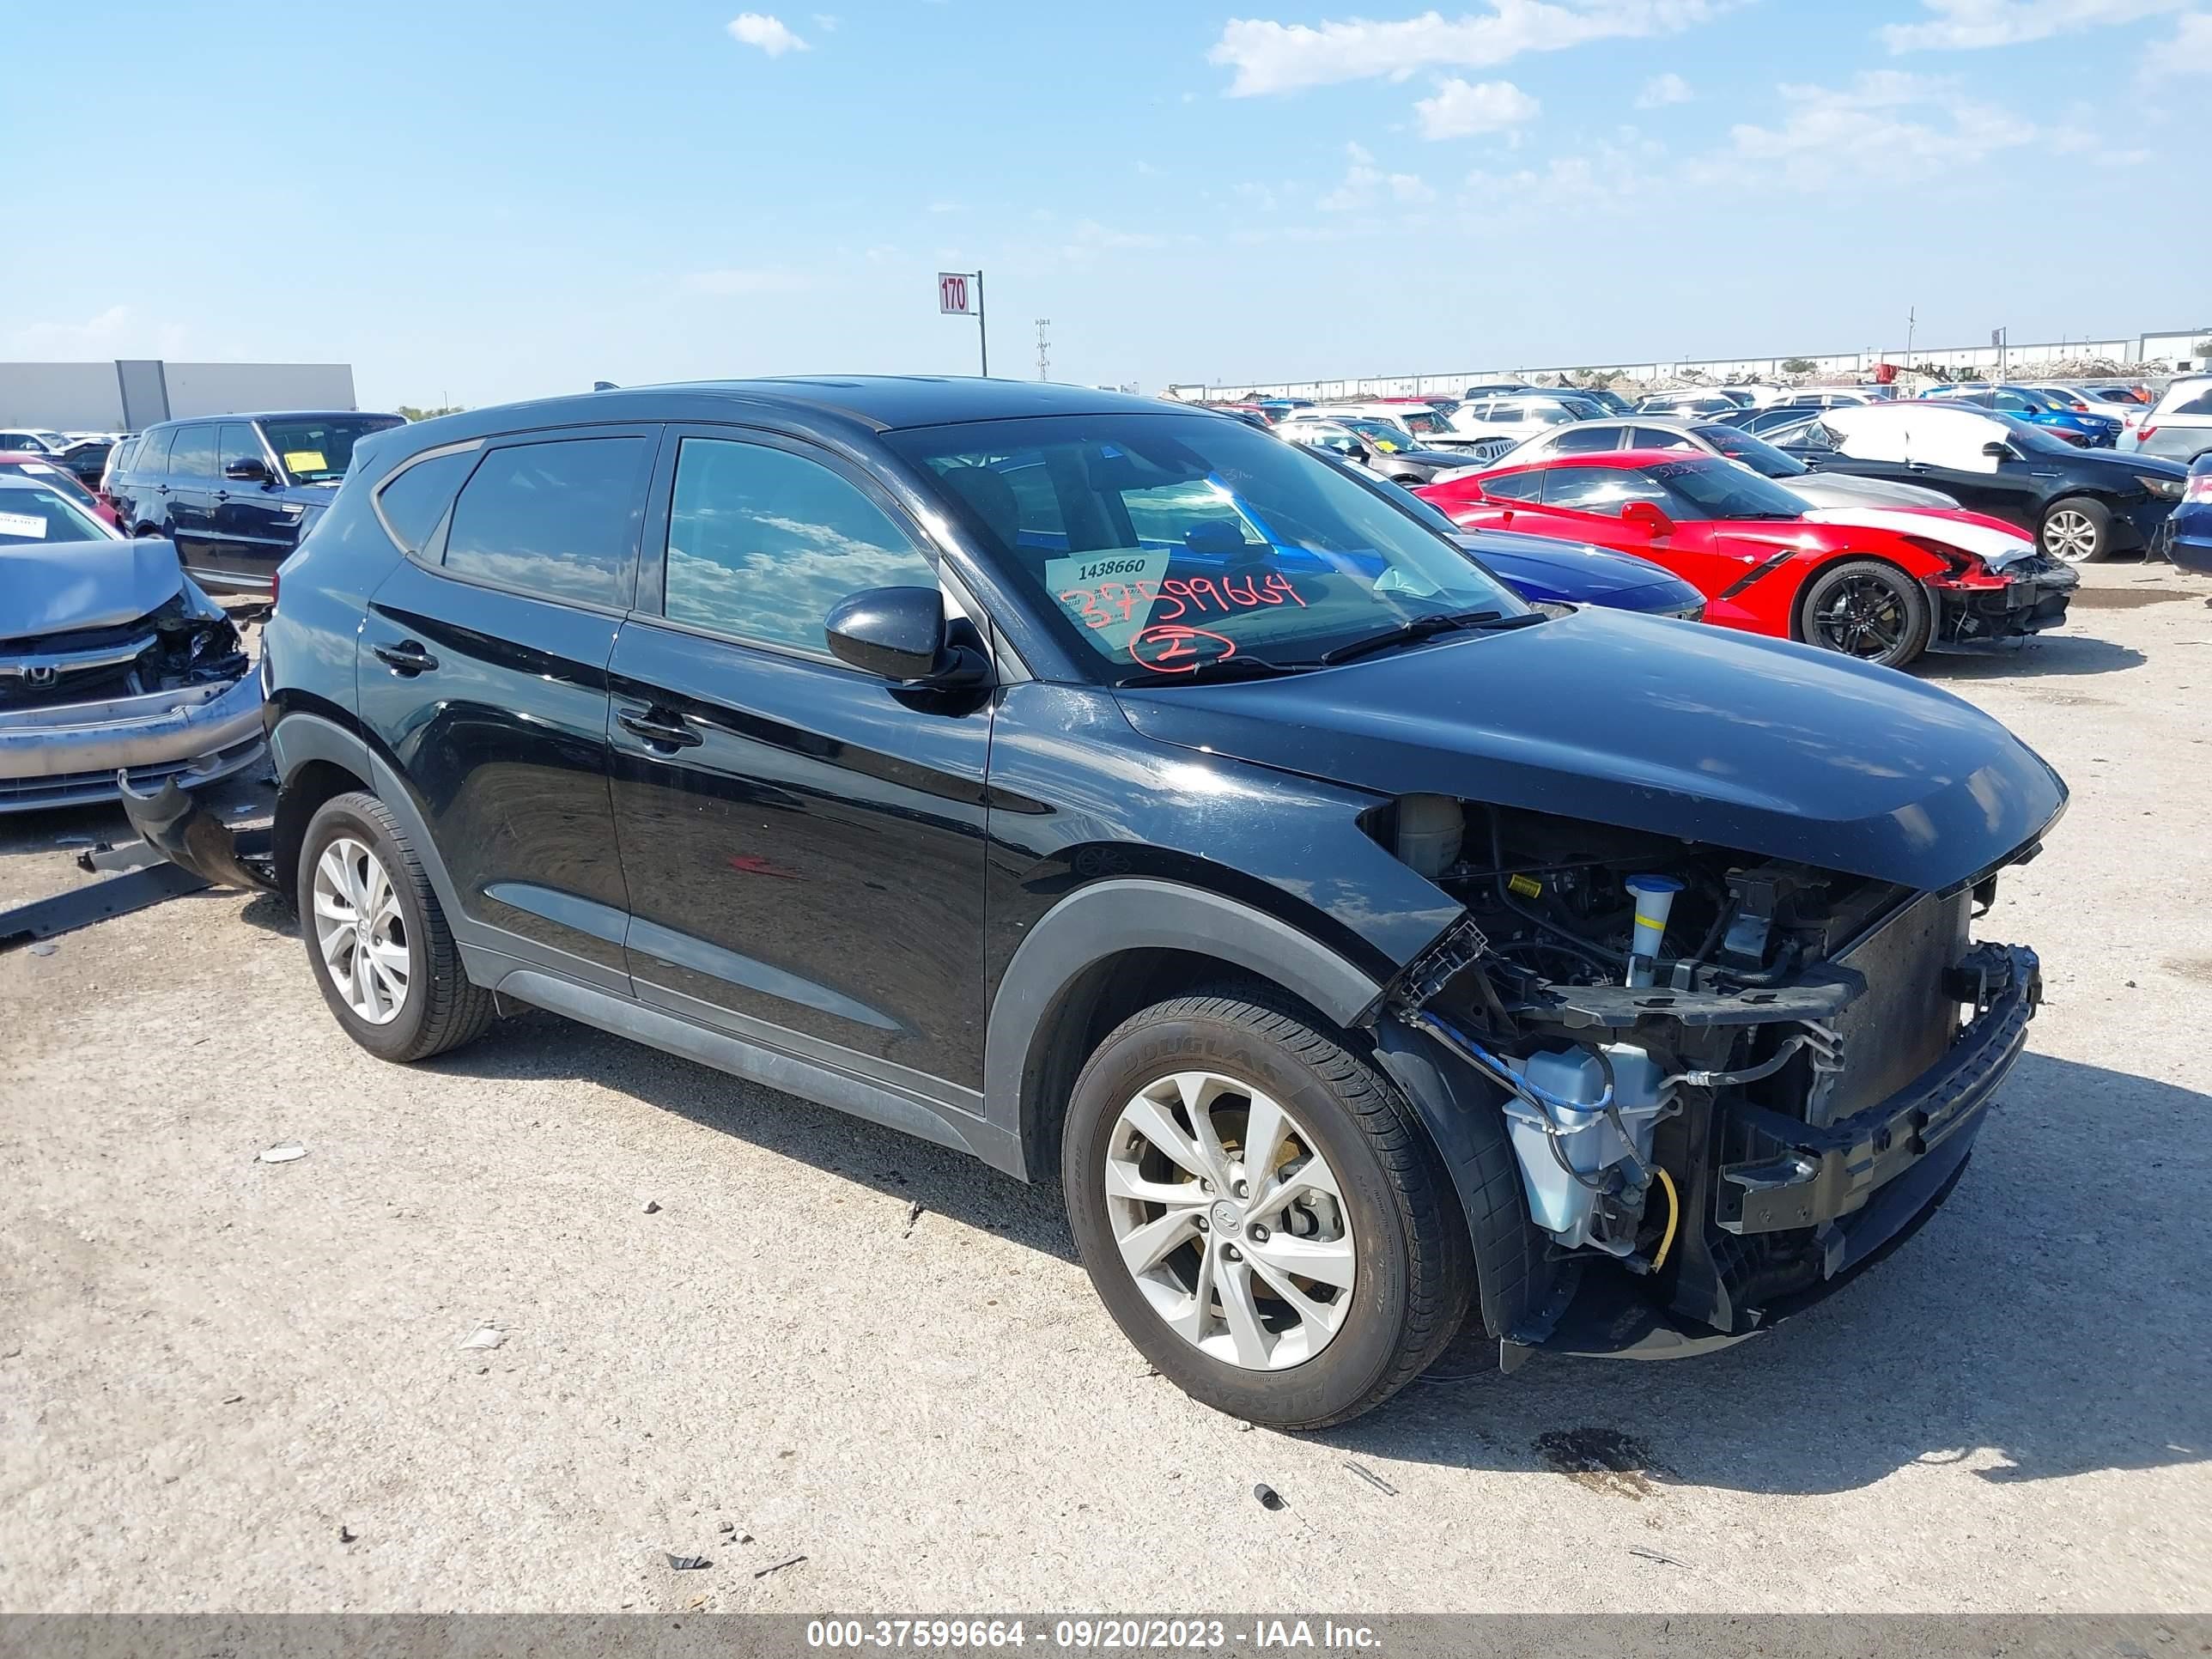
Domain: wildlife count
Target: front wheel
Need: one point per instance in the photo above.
(1868, 609)
(383, 957)
(2078, 530)
(1261, 1213)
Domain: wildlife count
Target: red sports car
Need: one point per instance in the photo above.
(1881, 584)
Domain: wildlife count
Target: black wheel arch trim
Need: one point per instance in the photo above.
(1111, 918)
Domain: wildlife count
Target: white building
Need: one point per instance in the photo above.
(131, 394)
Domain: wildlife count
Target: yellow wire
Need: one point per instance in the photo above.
(1674, 1215)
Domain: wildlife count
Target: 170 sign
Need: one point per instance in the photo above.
(955, 293)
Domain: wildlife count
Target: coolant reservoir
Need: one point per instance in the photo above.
(1430, 830)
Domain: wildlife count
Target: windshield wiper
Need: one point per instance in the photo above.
(1422, 628)
(1219, 669)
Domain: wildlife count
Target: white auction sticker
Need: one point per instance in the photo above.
(1111, 593)
(23, 524)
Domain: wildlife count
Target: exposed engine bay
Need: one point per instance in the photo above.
(187, 640)
(1712, 1064)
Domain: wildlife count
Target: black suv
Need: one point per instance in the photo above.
(1113, 792)
(236, 492)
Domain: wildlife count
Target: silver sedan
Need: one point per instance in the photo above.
(111, 662)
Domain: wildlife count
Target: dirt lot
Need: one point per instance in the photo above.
(231, 1385)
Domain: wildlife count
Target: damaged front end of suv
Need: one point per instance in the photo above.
(113, 665)
(1728, 1080)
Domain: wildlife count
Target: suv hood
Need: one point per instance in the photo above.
(1719, 737)
(72, 585)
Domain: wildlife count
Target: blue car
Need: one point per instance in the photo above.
(236, 493)
(2038, 407)
(1545, 570)
(2189, 535)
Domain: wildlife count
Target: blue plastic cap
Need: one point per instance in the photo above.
(1653, 884)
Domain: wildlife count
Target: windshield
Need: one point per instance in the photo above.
(1382, 432)
(318, 449)
(30, 518)
(1155, 545)
(1715, 490)
(1425, 419)
(1754, 452)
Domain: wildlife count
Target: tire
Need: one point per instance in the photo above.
(438, 1007)
(1867, 610)
(2077, 529)
(1389, 1223)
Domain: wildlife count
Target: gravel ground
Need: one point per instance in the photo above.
(229, 1385)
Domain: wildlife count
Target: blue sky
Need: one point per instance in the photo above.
(479, 202)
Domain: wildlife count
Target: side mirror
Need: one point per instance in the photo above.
(247, 470)
(899, 635)
(1997, 451)
(1358, 455)
(1647, 518)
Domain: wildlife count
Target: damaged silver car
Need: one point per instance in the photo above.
(113, 664)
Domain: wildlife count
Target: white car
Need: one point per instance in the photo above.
(1382, 449)
(33, 440)
(1821, 490)
(1495, 424)
(2178, 427)
(1691, 402)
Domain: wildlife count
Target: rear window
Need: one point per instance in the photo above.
(411, 502)
(558, 521)
(153, 457)
(193, 455)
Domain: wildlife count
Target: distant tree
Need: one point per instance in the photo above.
(1797, 366)
(408, 411)
(2202, 348)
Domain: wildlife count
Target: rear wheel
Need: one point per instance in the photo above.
(1866, 610)
(1261, 1213)
(2078, 530)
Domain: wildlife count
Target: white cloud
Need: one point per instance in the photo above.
(770, 35)
(1461, 109)
(1366, 186)
(1661, 90)
(827, 21)
(1886, 126)
(1271, 57)
(724, 284)
(2189, 52)
(1964, 25)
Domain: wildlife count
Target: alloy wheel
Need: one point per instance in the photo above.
(360, 931)
(2068, 534)
(1863, 616)
(1230, 1220)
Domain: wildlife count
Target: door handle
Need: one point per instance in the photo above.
(408, 657)
(223, 495)
(668, 731)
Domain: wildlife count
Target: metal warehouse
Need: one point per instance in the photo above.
(131, 394)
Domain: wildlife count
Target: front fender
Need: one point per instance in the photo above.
(1109, 918)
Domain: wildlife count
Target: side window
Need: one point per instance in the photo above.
(1653, 437)
(1515, 487)
(558, 521)
(239, 442)
(764, 544)
(152, 459)
(1603, 489)
(2199, 405)
(194, 455)
(411, 502)
(1583, 440)
(1507, 414)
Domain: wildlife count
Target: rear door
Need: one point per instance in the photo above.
(804, 843)
(191, 498)
(143, 493)
(252, 527)
(483, 673)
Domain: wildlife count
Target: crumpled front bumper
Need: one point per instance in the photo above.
(69, 754)
(1864, 1184)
